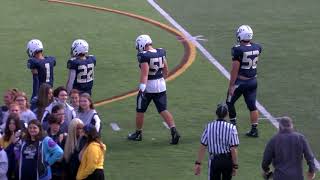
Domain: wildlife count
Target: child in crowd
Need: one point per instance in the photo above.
(74, 144)
(92, 156)
(26, 114)
(37, 153)
(87, 112)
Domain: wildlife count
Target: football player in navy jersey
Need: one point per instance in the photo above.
(81, 67)
(153, 70)
(41, 66)
(243, 80)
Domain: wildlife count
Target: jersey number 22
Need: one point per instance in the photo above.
(86, 73)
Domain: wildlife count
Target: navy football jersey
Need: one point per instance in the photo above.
(155, 58)
(248, 56)
(84, 72)
(44, 68)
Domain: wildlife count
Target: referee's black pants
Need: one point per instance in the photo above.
(221, 167)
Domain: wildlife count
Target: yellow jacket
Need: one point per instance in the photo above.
(4, 144)
(92, 159)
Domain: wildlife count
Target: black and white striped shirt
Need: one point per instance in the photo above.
(219, 136)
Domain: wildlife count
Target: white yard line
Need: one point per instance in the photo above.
(115, 126)
(207, 54)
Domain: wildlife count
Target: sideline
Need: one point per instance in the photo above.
(215, 62)
(186, 61)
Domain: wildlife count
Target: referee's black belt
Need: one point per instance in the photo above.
(217, 156)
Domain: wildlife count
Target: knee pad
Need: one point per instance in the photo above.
(252, 107)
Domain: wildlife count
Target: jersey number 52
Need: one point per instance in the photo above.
(250, 59)
(86, 73)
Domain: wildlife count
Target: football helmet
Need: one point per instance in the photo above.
(142, 41)
(34, 46)
(79, 46)
(244, 33)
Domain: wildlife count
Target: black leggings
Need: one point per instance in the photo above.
(98, 174)
(221, 167)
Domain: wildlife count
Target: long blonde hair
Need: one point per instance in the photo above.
(72, 139)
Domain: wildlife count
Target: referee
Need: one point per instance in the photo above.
(221, 139)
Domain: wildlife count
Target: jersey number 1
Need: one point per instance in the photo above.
(47, 66)
(251, 59)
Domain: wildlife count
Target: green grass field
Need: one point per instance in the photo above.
(287, 73)
(288, 68)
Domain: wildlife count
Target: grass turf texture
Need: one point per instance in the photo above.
(288, 67)
(192, 97)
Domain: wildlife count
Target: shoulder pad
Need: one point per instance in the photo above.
(92, 57)
(141, 53)
(73, 58)
(161, 49)
(31, 59)
(49, 57)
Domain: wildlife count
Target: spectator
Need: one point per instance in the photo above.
(37, 153)
(92, 156)
(3, 164)
(8, 98)
(44, 99)
(286, 151)
(87, 113)
(54, 130)
(12, 130)
(74, 144)
(221, 139)
(74, 99)
(59, 137)
(58, 112)
(14, 108)
(61, 97)
(10, 139)
(26, 114)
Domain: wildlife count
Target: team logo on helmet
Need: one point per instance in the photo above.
(34, 46)
(244, 33)
(142, 41)
(78, 47)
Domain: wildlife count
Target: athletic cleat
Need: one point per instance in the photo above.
(253, 133)
(136, 136)
(175, 137)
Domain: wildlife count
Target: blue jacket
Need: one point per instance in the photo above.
(48, 153)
